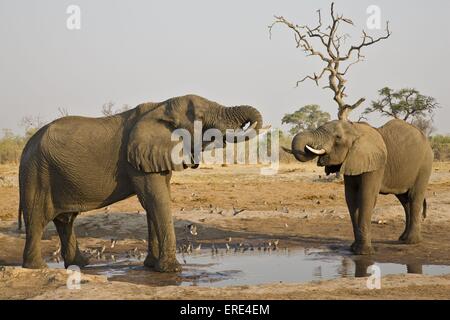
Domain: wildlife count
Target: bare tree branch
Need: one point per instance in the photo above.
(331, 55)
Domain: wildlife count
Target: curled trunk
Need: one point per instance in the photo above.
(308, 144)
(235, 118)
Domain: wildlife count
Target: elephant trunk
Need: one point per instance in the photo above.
(309, 144)
(236, 118)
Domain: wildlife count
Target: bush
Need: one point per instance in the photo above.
(10, 147)
(441, 147)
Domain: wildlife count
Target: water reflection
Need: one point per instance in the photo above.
(256, 267)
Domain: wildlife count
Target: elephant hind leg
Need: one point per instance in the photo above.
(32, 256)
(404, 200)
(413, 235)
(69, 245)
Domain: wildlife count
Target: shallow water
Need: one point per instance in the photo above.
(254, 267)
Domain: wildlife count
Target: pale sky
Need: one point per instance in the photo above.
(136, 51)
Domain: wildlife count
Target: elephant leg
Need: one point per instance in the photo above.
(153, 245)
(413, 235)
(154, 195)
(351, 197)
(32, 255)
(403, 198)
(69, 245)
(367, 196)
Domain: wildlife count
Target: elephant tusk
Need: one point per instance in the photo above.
(252, 127)
(315, 151)
(242, 132)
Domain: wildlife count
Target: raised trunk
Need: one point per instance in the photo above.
(234, 118)
(314, 139)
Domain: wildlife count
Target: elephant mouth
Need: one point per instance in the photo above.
(323, 161)
(332, 169)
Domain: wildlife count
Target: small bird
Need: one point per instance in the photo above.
(220, 212)
(237, 211)
(227, 246)
(103, 249)
(107, 209)
(113, 243)
(199, 247)
(286, 225)
(113, 258)
(55, 253)
(192, 229)
(275, 242)
(228, 239)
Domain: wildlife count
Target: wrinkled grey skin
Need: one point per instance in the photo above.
(76, 164)
(394, 159)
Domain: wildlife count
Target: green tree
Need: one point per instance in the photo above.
(405, 104)
(306, 118)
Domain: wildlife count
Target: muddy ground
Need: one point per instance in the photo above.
(299, 207)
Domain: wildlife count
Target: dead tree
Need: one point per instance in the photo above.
(337, 59)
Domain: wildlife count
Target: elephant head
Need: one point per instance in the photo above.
(351, 148)
(150, 145)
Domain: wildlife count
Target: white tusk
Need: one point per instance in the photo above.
(253, 126)
(242, 132)
(315, 151)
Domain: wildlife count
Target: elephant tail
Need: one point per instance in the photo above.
(19, 220)
(424, 212)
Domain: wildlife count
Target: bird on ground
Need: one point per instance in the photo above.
(192, 228)
(237, 211)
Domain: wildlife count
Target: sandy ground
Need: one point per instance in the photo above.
(299, 206)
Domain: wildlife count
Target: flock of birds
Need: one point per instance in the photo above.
(187, 247)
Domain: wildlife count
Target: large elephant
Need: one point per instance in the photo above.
(76, 164)
(393, 159)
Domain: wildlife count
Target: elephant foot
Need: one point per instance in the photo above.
(150, 261)
(79, 260)
(359, 248)
(34, 264)
(412, 238)
(168, 265)
(402, 237)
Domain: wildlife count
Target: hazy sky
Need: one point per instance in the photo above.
(136, 51)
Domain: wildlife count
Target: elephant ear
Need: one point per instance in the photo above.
(368, 152)
(150, 146)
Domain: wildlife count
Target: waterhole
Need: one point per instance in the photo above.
(202, 268)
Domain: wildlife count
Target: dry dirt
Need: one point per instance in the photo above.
(299, 206)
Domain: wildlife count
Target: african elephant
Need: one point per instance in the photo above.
(77, 164)
(393, 159)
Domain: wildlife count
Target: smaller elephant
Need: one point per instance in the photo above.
(393, 159)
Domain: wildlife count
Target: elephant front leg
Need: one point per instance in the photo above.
(351, 198)
(367, 197)
(153, 245)
(154, 194)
